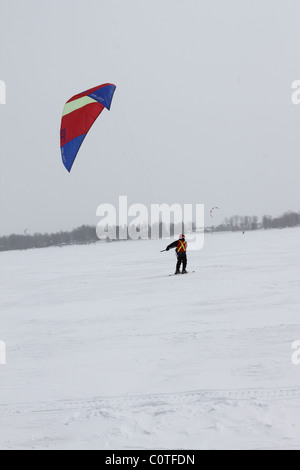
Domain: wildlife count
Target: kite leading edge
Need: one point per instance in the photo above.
(79, 114)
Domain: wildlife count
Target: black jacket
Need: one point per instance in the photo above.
(173, 245)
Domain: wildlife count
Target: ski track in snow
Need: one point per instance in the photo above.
(150, 400)
(191, 420)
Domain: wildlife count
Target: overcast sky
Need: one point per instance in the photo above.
(202, 113)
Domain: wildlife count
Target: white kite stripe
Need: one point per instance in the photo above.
(77, 104)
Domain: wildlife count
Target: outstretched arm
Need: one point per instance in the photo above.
(173, 245)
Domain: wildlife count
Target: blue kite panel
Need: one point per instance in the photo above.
(70, 150)
(104, 95)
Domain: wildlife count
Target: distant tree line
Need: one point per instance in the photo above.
(237, 223)
(289, 219)
(245, 223)
(82, 235)
(86, 234)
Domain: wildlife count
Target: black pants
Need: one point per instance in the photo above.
(181, 258)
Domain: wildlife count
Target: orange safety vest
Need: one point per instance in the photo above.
(181, 247)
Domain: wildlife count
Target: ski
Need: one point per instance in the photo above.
(189, 272)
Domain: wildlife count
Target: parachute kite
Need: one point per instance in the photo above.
(79, 114)
(212, 211)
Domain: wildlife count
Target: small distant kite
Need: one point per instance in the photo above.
(26, 231)
(212, 211)
(79, 114)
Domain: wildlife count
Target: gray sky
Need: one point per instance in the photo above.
(202, 112)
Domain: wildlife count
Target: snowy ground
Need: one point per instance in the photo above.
(105, 350)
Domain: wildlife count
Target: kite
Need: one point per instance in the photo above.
(79, 114)
(212, 211)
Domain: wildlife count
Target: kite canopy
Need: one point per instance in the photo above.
(212, 211)
(79, 114)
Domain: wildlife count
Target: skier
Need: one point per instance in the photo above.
(181, 247)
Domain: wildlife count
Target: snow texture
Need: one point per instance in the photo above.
(106, 351)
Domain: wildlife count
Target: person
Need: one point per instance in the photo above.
(181, 247)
